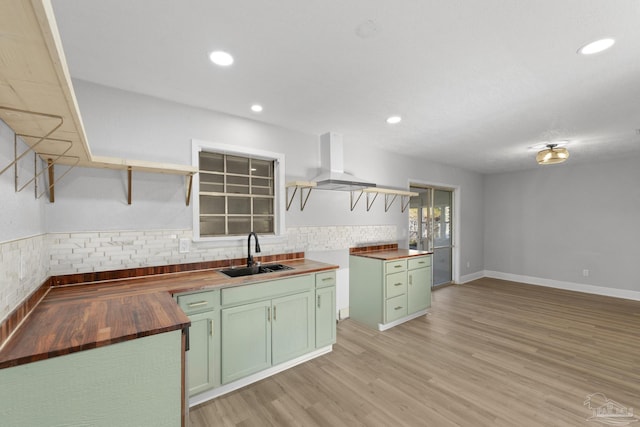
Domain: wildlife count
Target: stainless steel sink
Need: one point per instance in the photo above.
(255, 269)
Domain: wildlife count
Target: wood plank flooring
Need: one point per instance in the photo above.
(490, 353)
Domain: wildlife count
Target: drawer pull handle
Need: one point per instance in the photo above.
(327, 278)
(397, 284)
(197, 304)
(421, 262)
(398, 308)
(397, 266)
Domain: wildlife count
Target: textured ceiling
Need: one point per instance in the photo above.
(478, 83)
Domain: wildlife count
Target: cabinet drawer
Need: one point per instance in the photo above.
(419, 262)
(196, 303)
(396, 308)
(395, 266)
(267, 290)
(396, 284)
(327, 278)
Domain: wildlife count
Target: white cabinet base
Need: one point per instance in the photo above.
(385, 326)
(224, 389)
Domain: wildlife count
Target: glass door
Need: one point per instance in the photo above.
(431, 229)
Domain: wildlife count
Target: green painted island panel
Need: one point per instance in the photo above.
(136, 383)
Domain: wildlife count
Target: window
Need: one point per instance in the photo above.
(237, 191)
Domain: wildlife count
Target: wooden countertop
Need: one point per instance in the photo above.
(389, 255)
(84, 316)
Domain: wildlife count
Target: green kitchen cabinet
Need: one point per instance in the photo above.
(419, 284)
(203, 357)
(325, 309)
(278, 327)
(246, 340)
(202, 360)
(292, 327)
(385, 293)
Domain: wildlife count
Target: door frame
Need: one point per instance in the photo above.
(455, 256)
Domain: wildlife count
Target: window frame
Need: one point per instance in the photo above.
(243, 151)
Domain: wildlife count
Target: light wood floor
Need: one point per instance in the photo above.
(491, 353)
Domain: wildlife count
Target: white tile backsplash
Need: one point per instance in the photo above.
(24, 266)
(67, 253)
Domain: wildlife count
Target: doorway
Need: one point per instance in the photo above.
(431, 228)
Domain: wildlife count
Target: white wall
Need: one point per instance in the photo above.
(128, 125)
(23, 255)
(125, 124)
(549, 224)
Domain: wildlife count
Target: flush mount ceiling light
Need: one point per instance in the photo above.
(221, 58)
(256, 108)
(596, 46)
(552, 155)
(394, 120)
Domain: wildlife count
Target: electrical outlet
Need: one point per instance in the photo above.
(585, 273)
(184, 246)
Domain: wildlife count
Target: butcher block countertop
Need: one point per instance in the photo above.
(387, 252)
(83, 316)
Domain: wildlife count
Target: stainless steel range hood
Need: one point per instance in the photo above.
(332, 175)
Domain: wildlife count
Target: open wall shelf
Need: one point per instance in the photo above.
(390, 195)
(38, 101)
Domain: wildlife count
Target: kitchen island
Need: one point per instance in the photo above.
(114, 347)
(388, 286)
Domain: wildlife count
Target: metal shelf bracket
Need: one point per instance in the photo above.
(301, 185)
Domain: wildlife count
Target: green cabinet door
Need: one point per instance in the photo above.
(419, 289)
(325, 316)
(292, 326)
(203, 363)
(246, 340)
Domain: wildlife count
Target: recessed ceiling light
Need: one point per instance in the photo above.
(221, 58)
(596, 46)
(256, 108)
(394, 119)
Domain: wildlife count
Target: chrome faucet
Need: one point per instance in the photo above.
(257, 248)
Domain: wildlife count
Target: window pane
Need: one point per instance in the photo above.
(239, 225)
(262, 168)
(247, 194)
(238, 165)
(239, 205)
(211, 183)
(263, 187)
(263, 224)
(262, 206)
(213, 162)
(238, 184)
(212, 226)
(212, 205)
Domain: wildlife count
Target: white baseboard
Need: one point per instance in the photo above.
(242, 382)
(569, 286)
(471, 277)
(343, 313)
